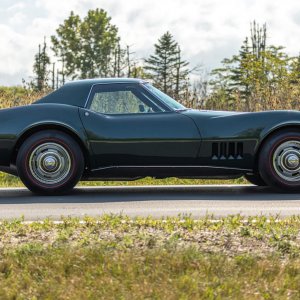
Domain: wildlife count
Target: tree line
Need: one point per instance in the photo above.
(259, 77)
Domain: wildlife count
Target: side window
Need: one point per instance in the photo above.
(120, 100)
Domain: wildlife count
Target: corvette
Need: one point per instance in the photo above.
(126, 129)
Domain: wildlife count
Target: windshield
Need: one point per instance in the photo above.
(170, 102)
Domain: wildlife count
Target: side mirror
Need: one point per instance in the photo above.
(141, 108)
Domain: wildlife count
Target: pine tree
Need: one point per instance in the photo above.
(166, 67)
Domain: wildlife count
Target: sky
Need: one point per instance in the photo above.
(207, 30)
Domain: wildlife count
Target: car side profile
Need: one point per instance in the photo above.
(126, 129)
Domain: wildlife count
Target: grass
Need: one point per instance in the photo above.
(7, 180)
(115, 257)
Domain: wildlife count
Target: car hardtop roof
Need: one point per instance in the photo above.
(76, 92)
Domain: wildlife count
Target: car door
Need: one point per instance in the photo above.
(126, 125)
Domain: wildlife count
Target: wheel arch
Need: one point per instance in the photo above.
(50, 126)
(268, 135)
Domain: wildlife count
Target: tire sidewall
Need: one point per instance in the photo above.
(255, 179)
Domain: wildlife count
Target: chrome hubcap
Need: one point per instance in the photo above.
(292, 161)
(50, 163)
(286, 160)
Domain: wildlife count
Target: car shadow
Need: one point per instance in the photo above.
(149, 193)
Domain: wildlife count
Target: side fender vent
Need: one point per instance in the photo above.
(227, 150)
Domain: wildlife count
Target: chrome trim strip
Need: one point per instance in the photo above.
(173, 167)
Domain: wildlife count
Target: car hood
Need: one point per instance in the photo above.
(214, 114)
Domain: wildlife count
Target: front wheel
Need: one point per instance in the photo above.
(279, 161)
(50, 162)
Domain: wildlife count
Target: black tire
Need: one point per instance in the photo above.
(279, 161)
(255, 179)
(50, 162)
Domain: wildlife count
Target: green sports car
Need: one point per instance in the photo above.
(126, 129)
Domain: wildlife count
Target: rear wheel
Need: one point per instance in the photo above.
(255, 179)
(50, 162)
(279, 161)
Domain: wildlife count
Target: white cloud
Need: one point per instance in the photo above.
(16, 6)
(207, 30)
(14, 51)
(17, 19)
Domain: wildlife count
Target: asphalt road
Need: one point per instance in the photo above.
(156, 201)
